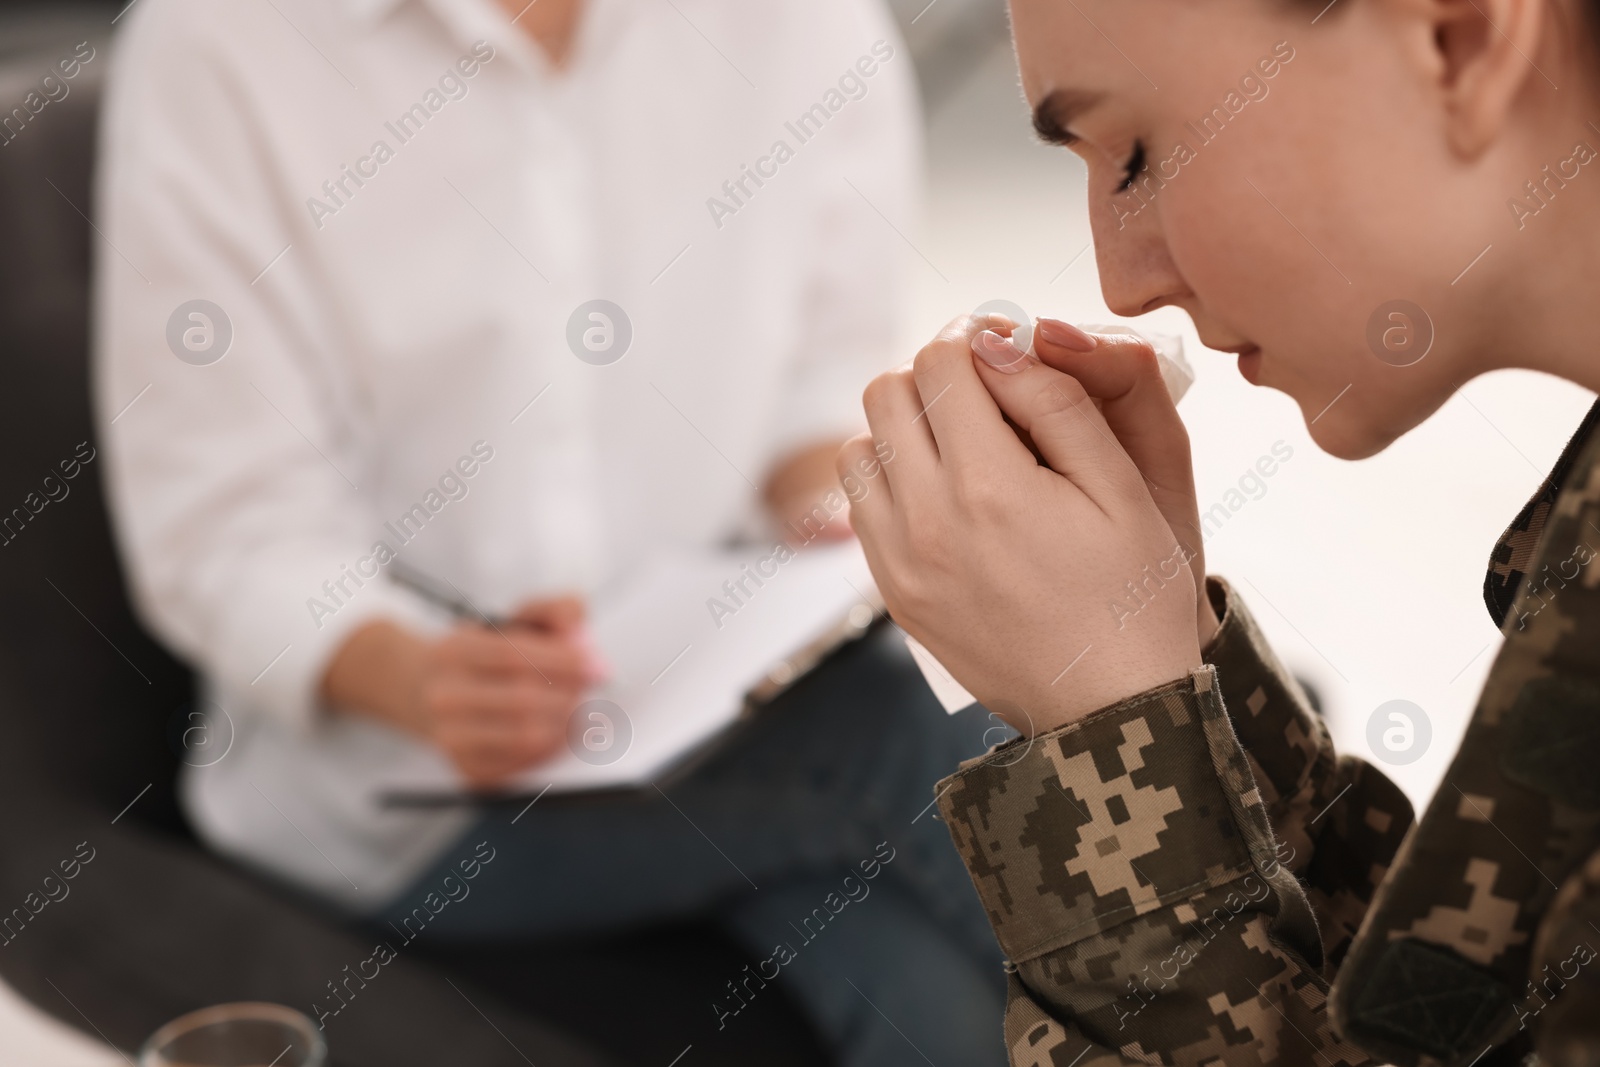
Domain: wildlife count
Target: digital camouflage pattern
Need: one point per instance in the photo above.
(1194, 876)
(1168, 879)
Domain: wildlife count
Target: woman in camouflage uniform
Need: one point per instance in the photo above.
(1178, 865)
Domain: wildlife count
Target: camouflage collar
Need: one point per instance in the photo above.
(1508, 564)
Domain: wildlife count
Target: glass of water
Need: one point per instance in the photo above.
(237, 1035)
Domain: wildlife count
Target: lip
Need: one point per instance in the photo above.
(1250, 364)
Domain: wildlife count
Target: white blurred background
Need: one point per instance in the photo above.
(1366, 576)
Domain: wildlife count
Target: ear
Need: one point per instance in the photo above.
(1484, 53)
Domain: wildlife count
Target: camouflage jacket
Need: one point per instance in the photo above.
(1195, 876)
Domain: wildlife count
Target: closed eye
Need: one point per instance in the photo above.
(1133, 168)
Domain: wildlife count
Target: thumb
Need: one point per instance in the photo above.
(556, 615)
(1124, 374)
(1058, 415)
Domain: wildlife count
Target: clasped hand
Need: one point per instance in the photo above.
(1037, 528)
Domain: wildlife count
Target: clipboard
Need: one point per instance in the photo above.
(699, 649)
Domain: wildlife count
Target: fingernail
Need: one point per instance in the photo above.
(999, 352)
(1067, 335)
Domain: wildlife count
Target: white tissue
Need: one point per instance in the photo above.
(949, 691)
(1176, 374)
(1175, 370)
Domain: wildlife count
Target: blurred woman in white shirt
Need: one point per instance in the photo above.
(393, 219)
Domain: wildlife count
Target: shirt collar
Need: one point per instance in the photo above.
(468, 21)
(371, 11)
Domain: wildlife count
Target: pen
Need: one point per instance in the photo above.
(444, 594)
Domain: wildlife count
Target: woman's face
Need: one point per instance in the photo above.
(1300, 180)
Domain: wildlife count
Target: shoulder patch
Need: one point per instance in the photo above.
(1428, 999)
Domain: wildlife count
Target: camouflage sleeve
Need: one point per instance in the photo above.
(1130, 871)
(1338, 821)
(1563, 989)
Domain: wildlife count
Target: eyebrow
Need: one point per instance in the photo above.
(1058, 110)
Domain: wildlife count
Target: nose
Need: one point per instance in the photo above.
(1137, 274)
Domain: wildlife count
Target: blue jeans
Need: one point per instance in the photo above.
(811, 839)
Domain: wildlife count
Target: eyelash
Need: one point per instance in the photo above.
(1133, 167)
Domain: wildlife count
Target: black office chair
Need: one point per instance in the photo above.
(92, 709)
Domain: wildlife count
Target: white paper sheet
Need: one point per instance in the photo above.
(681, 664)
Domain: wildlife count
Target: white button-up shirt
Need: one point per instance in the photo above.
(396, 215)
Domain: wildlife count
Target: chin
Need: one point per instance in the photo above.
(1345, 435)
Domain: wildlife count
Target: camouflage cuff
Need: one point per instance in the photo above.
(1275, 723)
(1141, 805)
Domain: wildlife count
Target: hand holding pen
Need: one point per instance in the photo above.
(493, 693)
